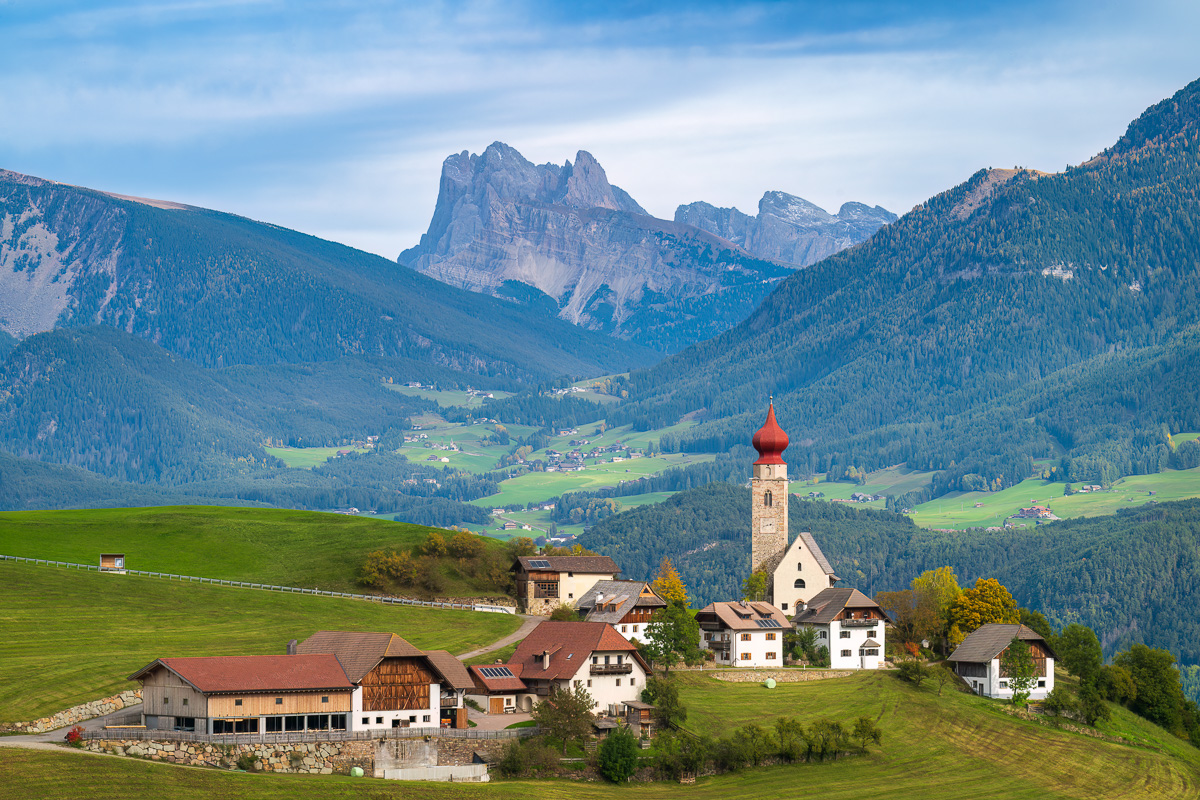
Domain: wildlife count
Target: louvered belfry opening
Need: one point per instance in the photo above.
(397, 683)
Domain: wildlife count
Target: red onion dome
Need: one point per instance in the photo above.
(770, 441)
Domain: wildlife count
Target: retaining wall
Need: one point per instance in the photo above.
(79, 713)
(780, 675)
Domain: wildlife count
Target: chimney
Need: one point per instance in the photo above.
(545, 659)
(291, 648)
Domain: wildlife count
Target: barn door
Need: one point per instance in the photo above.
(495, 705)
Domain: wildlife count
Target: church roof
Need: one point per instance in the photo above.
(770, 441)
(806, 539)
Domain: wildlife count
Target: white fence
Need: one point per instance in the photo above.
(373, 598)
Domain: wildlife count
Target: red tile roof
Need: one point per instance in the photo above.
(237, 674)
(570, 644)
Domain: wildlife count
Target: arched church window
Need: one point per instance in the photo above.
(767, 500)
(799, 583)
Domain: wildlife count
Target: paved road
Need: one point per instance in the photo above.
(50, 740)
(521, 632)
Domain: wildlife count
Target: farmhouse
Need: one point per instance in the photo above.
(977, 660)
(395, 685)
(546, 582)
(741, 633)
(245, 694)
(626, 605)
(847, 622)
(565, 655)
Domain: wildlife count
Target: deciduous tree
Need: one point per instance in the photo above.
(669, 585)
(565, 714)
(617, 757)
(986, 602)
(1016, 664)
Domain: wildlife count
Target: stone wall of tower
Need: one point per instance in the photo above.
(768, 523)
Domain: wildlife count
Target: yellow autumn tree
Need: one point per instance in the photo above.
(669, 585)
(988, 601)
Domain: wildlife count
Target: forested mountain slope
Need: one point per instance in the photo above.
(984, 290)
(1128, 576)
(222, 290)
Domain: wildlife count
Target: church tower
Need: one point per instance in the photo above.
(769, 496)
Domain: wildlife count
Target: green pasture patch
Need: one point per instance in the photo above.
(71, 636)
(447, 398)
(1180, 438)
(957, 509)
(308, 457)
(305, 549)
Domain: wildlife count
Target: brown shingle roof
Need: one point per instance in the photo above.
(454, 673)
(737, 616)
(588, 565)
(625, 595)
(570, 644)
(989, 641)
(828, 603)
(238, 674)
(359, 652)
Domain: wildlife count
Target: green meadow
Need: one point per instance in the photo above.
(308, 457)
(957, 510)
(287, 548)
(71, 636)
(446, 398)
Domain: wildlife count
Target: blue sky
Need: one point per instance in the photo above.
(334, 117)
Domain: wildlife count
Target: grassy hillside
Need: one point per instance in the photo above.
(288, 548)
(70, 636)
(957, 745)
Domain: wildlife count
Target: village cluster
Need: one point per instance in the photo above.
(338, 681)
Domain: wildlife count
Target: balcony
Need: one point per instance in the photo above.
(450, 702)
(612, 669)
(718, 644)
(861, 623)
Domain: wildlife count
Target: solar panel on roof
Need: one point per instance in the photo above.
(768, 623)
(539, 563)
(496, 672)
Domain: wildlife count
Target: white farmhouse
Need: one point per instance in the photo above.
(977, 660)
(743, 634)
(847, 622)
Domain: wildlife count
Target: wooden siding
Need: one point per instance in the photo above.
(164, 692)
(258, 705)
(638, 615)
(397, 683)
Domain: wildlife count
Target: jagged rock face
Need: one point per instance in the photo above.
(789, 228)
(595, 257)
(590, 252)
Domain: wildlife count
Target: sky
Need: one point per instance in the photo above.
(333, 118)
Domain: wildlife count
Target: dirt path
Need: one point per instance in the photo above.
(521, 632)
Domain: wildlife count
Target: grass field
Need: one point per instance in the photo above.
(447, 397)
(308, 457)
(288, 548)
(956, 746)
(957, 510)
(73, 636)
(540, 520)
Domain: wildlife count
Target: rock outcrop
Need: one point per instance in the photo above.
(565, 239)
(788, 228)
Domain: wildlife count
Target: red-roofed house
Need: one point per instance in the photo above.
(743, 634)
(245, 694)
(564, 655)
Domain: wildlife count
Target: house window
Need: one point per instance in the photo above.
(845, 634)
(237, 702)
(278, 701)
(799, 566)
(745, 656)
(1003, 684)
(845, 653)
(770, 655)
(578, 684)
(324, 699)
(871, 633)
(635, 627)
(783, 607)
(869, 651)
(185, 701)
(745, 637)
(367, 720)
(185, 723)
(508, 701)
(799, 583)
(633, 681)
(618, 681)
(770, 637)
(624, 628)
(619, 659)
(606, 659)
(412, 718)
(589, 683)
(425, 718)
(1041, 684)
(396, 722)
(595, 659)
(824, 634)
(768, 501)
(379, 720)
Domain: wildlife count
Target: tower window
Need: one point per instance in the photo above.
(767, 500)
(799, 583)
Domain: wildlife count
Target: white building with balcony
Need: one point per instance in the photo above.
(848, 623)
(743, 634)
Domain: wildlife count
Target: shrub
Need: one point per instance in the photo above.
(865, 731)
(789, 732)
(756, 742)
(1060, 702)
(246, 762)
(564, 613)
(75, 736)
(914, 672)
(618, 755)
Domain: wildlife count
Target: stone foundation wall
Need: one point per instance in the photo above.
(320, 758)
(461, 752)
(780, 675)
(89, 710)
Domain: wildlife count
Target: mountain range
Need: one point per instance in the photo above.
(564, 239)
